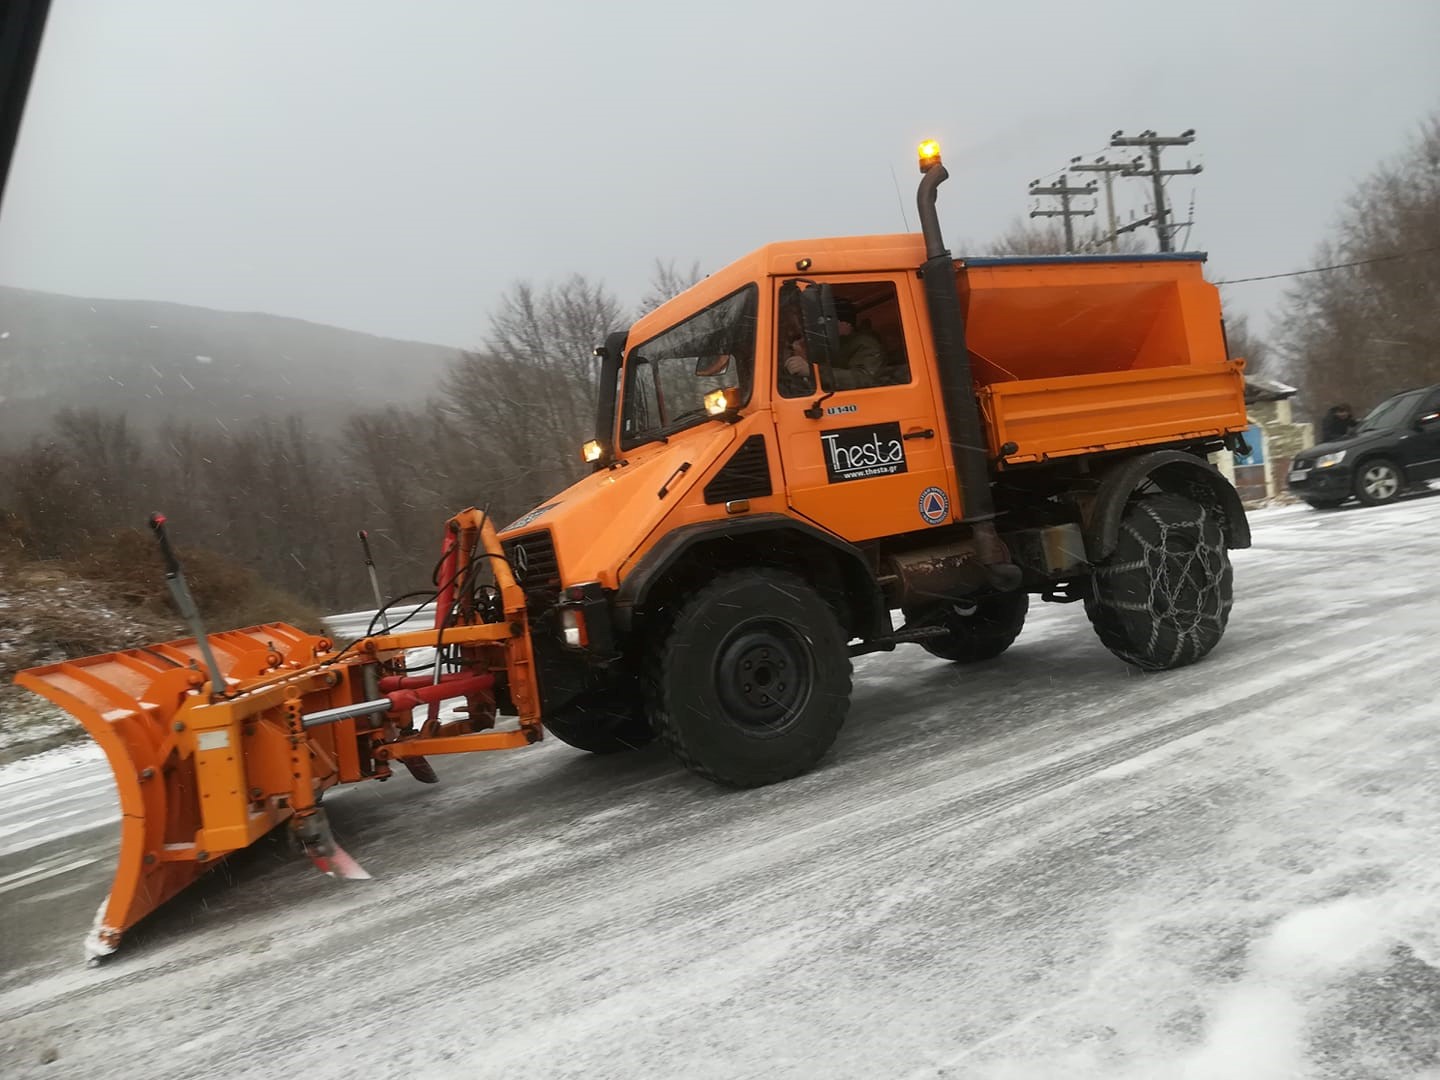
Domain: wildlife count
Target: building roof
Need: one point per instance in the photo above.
(1259, 388)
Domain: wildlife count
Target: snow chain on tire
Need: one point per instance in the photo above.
(1162, 598)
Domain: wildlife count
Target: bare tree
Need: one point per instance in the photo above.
(33, 489)
(1245, 343)
(71, 486)
(668, 281)
(400, 463)
(1022, 237)
(1372, 327)
(525, 404)
(106, 477)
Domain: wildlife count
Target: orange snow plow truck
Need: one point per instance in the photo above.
(821, 436)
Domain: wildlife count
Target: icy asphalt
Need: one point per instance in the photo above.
(1046, 866)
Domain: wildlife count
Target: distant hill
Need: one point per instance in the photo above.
(189, 364)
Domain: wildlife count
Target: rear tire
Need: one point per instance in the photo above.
(982, 635)
(1162, 598)
(752, 683)
(602, 722)
(1379, 481)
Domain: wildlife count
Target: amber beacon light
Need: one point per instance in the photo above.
(929, 155)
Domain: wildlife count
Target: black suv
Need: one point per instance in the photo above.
(1395, 447)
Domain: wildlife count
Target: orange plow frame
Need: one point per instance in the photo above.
(203, 771)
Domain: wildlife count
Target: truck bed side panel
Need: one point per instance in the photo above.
(1077, 414)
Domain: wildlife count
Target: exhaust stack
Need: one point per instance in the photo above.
(957, 386)
(947, 321)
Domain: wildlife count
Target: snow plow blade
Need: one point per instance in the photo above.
(203, 771)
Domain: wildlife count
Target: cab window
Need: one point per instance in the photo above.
(872, 342)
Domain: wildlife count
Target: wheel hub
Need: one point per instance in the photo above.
(763, 675)
(1381, 481)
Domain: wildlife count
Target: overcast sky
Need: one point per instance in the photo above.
(392, 167)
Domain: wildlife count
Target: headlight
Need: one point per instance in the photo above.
(572, 628)
(1327, 460)
(720, 401)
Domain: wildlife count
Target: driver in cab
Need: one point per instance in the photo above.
(860, 360)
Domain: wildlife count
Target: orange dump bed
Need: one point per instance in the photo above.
(1075, 354)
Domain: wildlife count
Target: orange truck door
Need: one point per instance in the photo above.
(873, 463)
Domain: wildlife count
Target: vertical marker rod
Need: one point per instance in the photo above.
(374, 581)
(180, 592)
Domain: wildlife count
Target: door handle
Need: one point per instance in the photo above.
(923, 433)
(665, 487)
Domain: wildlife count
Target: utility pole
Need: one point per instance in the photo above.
(1108, 170)
(1164, 230)
(1064, 192)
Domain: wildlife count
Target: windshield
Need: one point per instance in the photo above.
(667, 377)
(1390, 413)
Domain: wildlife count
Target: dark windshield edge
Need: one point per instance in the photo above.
(670, 359)
(1390, 412)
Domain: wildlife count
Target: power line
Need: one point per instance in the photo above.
(1096, 153)
(1336, 266)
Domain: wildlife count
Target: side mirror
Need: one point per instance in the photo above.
(822, 328)
(611, 355)
(1428, 422)
(706, 366)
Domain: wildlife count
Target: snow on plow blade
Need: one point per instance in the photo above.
(203, 771)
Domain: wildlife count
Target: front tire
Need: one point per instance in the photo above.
(752, 683)
(982, 635)
(1162, 598)
(1378, 481)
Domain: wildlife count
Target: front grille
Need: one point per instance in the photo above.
(532, 561)
(745, 476)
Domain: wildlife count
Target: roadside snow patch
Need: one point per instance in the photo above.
(51, 761)
(1258, 1029)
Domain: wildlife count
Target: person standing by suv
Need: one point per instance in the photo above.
(1338, 423)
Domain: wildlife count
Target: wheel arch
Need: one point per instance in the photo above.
(695, 553)
(1173, 471)
(1385, 453)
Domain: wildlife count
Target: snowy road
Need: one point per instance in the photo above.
(1046, 866)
